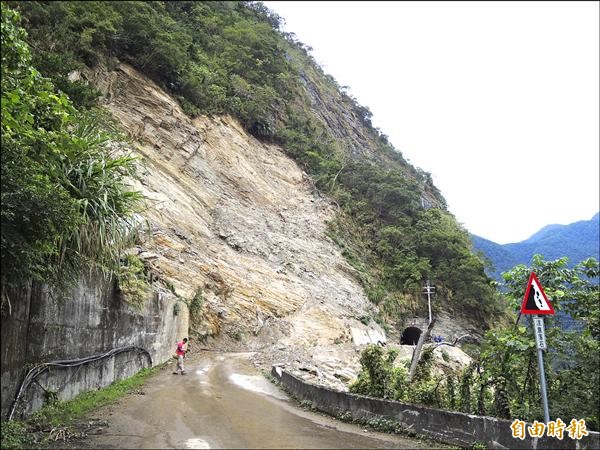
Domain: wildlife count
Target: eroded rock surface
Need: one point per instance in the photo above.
(241, 222)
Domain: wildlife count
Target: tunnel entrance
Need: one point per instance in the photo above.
(410, 336)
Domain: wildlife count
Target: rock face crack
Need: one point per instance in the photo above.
(237, 221)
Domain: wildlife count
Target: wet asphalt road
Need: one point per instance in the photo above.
(224, 402)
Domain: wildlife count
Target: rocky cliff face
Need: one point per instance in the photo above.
(350, 125)
(239, 221)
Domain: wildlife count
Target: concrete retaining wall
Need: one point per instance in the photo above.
(91, 319)
(452, 427)
(68, 382)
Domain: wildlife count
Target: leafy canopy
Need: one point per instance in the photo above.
(65, 201)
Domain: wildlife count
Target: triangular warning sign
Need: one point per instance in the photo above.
(535, 300)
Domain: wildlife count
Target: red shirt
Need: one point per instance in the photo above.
(180, 350)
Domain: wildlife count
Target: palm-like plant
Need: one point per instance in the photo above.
(66, 203)
(96, 174)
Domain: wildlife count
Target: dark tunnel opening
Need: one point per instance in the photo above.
(410, 336)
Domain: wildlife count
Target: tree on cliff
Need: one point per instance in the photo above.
(65, 202)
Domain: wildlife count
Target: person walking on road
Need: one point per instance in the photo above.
(180, 352)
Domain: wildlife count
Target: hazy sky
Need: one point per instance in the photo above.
(499, 101)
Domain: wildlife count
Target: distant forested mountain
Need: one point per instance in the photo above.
(577, 241)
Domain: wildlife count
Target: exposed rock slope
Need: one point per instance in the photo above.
(239, 220)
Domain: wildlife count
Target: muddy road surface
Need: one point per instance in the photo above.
(224, 402)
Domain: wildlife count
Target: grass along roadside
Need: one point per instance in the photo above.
(56, 419)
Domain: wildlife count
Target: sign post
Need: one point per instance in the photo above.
(535, 302)
(540, 340)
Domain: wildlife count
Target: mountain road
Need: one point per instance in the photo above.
(224, 402)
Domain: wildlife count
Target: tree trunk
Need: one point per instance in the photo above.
(417, 353)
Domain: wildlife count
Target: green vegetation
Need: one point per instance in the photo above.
(64, 196)
(62, 415)
(373, 423)
(196, 303)
(236, 335)
(365, 320)
(380, 378)
(171, 287)
(231, 57)
(65, 203)
(388, 426)
(573, 359)
(132, 280)
(502, 380)
(14, 435)
(308, 405)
